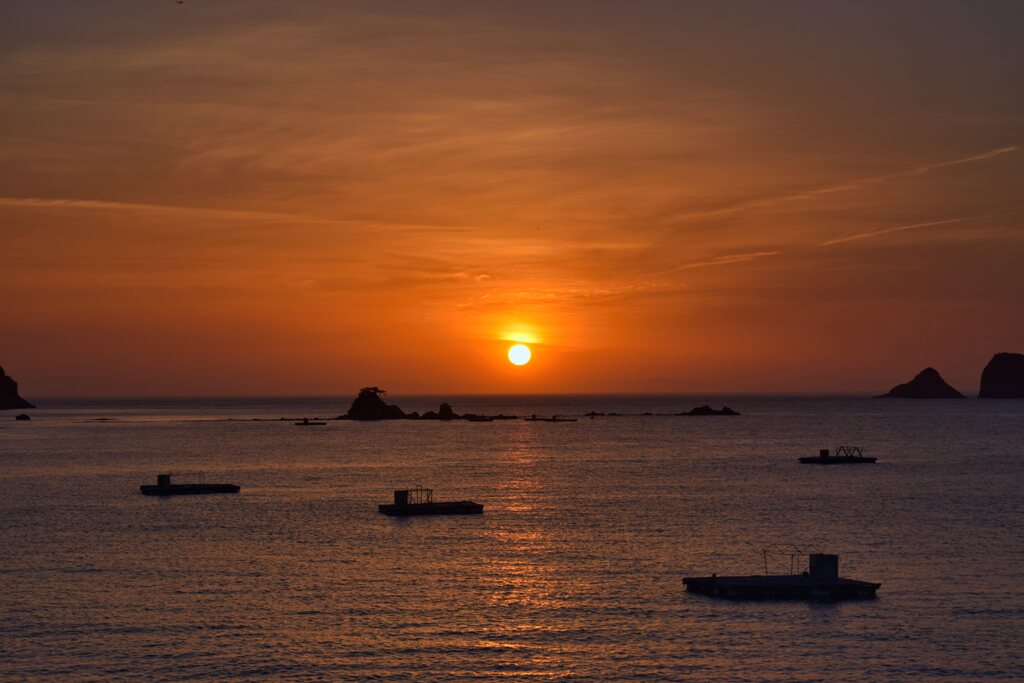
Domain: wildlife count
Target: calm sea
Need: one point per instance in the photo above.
(573, 572)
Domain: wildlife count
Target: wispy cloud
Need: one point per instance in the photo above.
(966, 160)
(847, 186)
(727, 259)
(97, 204)
(201, 211)
(917, 170)
(899, 228)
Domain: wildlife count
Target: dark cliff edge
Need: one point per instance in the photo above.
(927, 384)
(1003, 377)
(9, 398)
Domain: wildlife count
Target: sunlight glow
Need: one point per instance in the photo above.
(519, 354)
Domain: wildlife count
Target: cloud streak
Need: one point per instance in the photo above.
(847, 186)
(209, 212)
(727, 259)
(899, 228)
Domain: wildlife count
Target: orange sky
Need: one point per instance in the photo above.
(227, 198)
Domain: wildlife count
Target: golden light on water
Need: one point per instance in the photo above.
(519, 354)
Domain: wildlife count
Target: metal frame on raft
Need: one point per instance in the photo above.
(416, 496)
(792, 554)
(200, 475)
(420, 501)
(843, 454)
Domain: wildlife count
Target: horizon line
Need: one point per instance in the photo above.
(155, 397)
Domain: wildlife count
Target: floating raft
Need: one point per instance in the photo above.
(164, 487)
(821, 583)
(420, 501)
(846, 455)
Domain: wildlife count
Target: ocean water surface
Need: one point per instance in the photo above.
(573, 572)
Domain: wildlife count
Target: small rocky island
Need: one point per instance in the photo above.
(927, 384)
(9, 398)
(1003, 377)
(708, 410)
(369, 405)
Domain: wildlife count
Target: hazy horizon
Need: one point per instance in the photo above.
(391, 396)
(969, 392)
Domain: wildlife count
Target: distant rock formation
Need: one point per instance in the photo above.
(369, 405)
(927, 384)
(1003, 377)
(9, 398)
(445, 412)
(708, 410)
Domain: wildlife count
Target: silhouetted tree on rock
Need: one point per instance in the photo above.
(369, 405)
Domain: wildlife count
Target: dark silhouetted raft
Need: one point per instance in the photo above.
(420, 501)
(821, 583)
(164, 487)
(846, 455)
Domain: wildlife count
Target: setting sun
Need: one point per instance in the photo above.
(519, 354)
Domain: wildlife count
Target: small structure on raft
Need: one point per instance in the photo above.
(820, 583)
(420, 501)
(164, 487)
(845, 455)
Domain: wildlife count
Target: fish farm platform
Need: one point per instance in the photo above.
(846, 455)
(187, 489)
(457, 507)
(164, 487)
(785, 587)
(420, 501)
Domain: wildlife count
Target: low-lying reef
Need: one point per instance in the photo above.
(369, 405)
(445, 413)
(708, 410)
(699, 410)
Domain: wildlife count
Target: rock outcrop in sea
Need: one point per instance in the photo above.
(9, 398)
(927, 384)
(708, 410)
(445, 412)
(369, 405)
(1003, 377)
